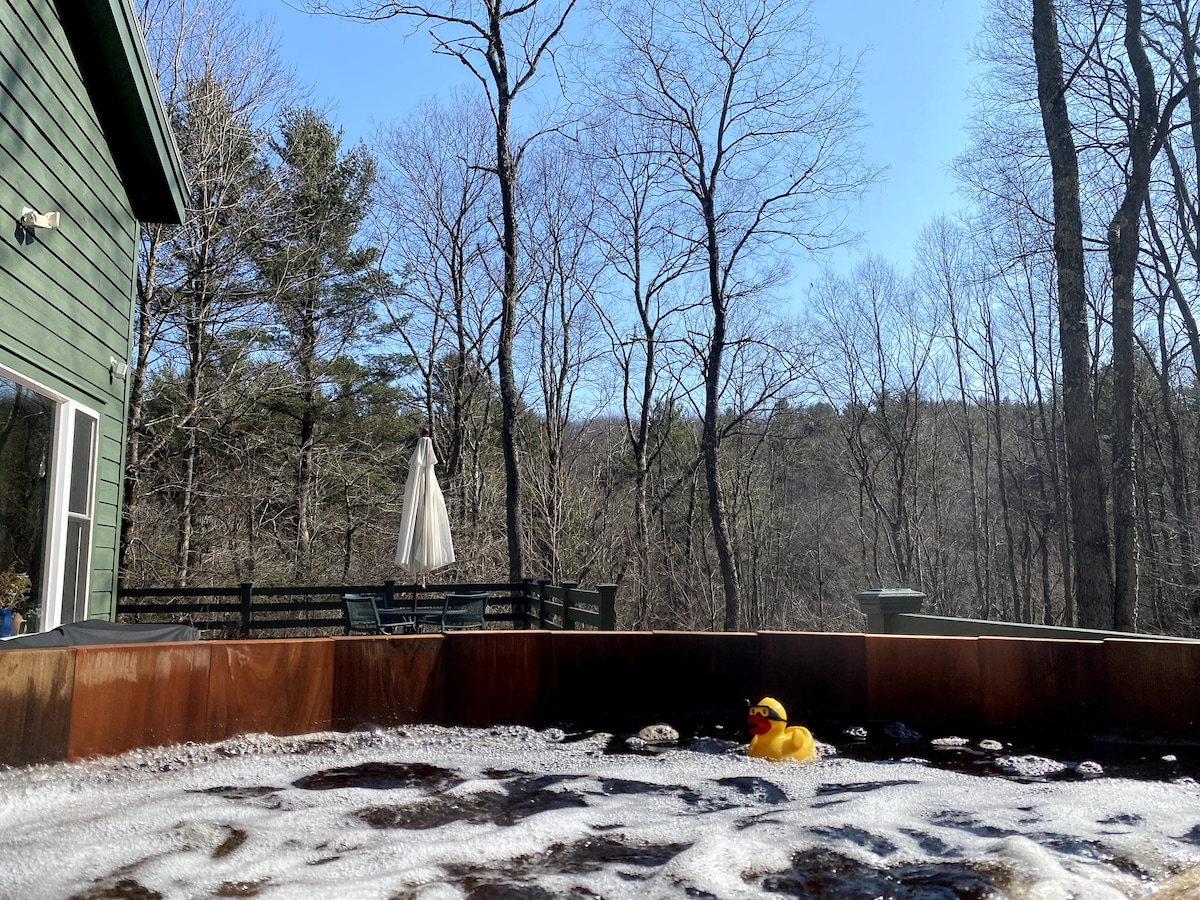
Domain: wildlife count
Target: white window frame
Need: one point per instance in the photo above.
(53, 566)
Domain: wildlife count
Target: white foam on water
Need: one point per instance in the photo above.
(1030, 766)
(214, 820)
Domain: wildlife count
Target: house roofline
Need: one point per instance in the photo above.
(108, 44)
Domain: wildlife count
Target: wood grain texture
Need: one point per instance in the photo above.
(1153, 686)
(67, 298)
(495, 677)
(388, 681)
(138, 695)
(36, 689)
(277, 686)
(1045, 683)
(70, 703)
(923, 678)
(815, 675)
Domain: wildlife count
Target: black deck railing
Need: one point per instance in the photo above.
(248, 608)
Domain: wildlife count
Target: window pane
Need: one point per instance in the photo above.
(74, 602)
(81, 463)
(26, 445)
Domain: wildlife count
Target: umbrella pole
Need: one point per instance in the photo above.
(414, 598)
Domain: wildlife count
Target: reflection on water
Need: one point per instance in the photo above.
(823, 873)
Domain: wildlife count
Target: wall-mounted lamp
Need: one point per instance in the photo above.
(117, 368)
(31, 218)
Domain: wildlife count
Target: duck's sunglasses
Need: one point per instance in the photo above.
(767, 713)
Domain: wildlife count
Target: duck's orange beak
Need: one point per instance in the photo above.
(758, 724)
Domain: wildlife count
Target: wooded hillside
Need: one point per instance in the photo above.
(734, 450)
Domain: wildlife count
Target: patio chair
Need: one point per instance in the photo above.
(462, 612)
(362, 616)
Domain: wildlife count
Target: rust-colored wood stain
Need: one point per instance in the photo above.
(928, 678)
(388, 681)
(1046, 683)
(1153, 686)
(277, 686)
(495, 677)
(138, 695)
(36, 689)
(75, 702)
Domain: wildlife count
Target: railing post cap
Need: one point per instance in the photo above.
(891, 600)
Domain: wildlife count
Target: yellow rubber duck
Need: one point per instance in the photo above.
(773, 738)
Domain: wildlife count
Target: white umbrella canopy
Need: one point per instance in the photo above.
(424, 543)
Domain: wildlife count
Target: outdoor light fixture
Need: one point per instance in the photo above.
(117, 368)
(31, 218)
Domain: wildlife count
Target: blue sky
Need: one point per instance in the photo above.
(916, 79)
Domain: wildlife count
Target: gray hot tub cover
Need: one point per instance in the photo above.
(98, 631)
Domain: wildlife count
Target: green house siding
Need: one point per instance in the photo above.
(66, 295)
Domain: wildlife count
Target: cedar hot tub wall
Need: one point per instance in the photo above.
(77, 702)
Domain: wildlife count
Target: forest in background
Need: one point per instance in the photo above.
(577, 276)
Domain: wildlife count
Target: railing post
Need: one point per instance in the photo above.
(543, 596)
(528, 592)
(247, 591)
(389, 593)
(882, 605)
(608, 606)
(569, 605)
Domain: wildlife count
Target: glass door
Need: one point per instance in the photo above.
(48, 447)
(27, 420)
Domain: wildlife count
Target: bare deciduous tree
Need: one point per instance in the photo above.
(564, 270)
(758, 119)
(504, 45)
(877, 342)
(436, 197)
(638, 227)
(1093, 560)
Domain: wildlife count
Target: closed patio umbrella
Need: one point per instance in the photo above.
(424, 543)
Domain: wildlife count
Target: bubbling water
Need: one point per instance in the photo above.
(431, 812)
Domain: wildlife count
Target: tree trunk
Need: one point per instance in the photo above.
(1123, 246)
(306, 361)
(191, 451)
(1180, 490)
(506, 175)
(641, 462)
(147, 283)
(1001, 473)
(968, 440)
(710, 433)
(1093, 563)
